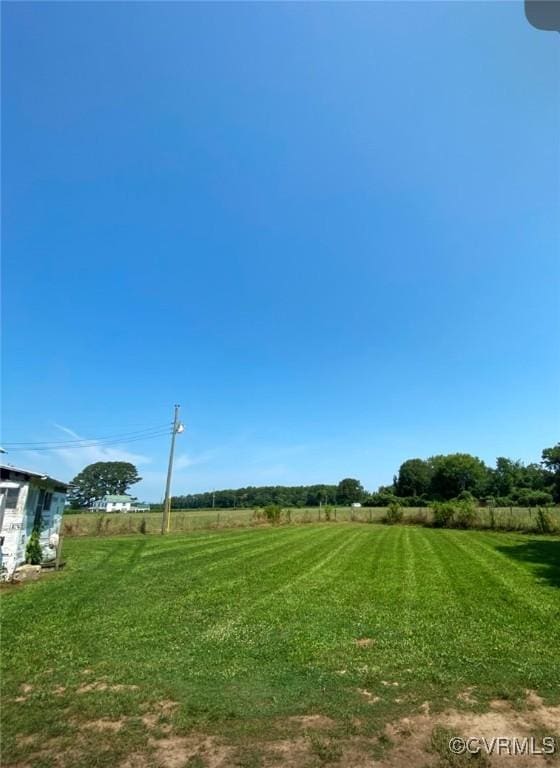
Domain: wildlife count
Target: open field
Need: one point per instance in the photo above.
(291, 646)
(184, 520)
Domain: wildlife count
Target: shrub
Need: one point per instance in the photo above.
(273, 513)
(142, 526)
(444, 511)
(328, 513)
(394, 514)
(465, 496)
(545, 523)
(526, 497)
(380, 499)
(418, 518)
(465, 513)
(415, 501)
(33, 551)
(503, 501)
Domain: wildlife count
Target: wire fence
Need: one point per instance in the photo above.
(183, 521)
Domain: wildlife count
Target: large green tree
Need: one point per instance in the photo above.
(506, 476)
(414, 478)
(458, 472)
(349, 491)
(102, 478)
(511, 477)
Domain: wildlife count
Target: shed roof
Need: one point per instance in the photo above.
(28, 473)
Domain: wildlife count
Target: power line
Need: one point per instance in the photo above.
(90, 439)
(91, 442)
(107, 443)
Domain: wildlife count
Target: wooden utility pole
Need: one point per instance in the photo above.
(166, 519)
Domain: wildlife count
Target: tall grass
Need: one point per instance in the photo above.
(530, 519)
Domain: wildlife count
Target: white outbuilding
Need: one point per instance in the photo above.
(28, 501)
(118, 503)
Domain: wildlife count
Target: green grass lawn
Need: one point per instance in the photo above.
(235, 632)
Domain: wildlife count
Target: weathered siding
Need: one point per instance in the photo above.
(36, 500)
(14, 531)
(50, 525)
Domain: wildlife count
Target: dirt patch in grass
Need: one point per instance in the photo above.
(104, 724)
(150, 721)
(368, 696)
(166, 706)
(176, 751)
(312, 721)
(135, 760)
(27, 740)
(467, 696)
(412, 738)
(156, 715)
(287, 752)
(102, 686)
(364, 642)
(419, 740)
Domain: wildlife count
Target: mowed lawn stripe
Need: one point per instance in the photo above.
(117, 563)
(107, 590)
(504, 579)
(501, 550)
(314, 580)
(227, 585)
(492, 615)
(278, 578)
(266, 623)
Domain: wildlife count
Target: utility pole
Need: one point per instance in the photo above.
(177, 428)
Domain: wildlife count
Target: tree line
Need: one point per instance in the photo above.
(418, 482)
(509, 483)
(261, 496)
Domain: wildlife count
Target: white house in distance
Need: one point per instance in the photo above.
(28, 500)
(116, 503)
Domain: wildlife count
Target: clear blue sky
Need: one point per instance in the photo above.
(329, 231)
